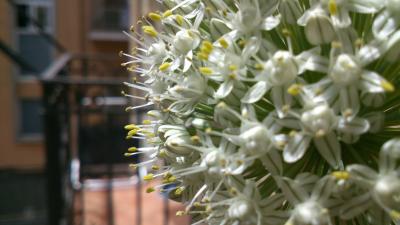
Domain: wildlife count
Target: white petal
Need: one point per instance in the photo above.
(270, 23)
(272, 202)
(281, 99)
(188, 61)
(349, 99)
(371, 82)
(224, 89)
(362, 173)
(290, 11)
(376, 121)
(383, 25)
(389, 155)
(323, 189)
(364, 6)
(373, 99)
(355, 206)
(349, 138)
(256, 92)
(296, 147)
(272, 162)
(369, 53)
(307, 180)
(251, 48)
(354, 126)
(329, 148)
(347, 37)
(294, 193)
(319, 30)
(218, 28)
(311, 60)
(342, 18)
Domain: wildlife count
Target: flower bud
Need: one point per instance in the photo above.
(319, 29)
(345, 71)
(320, 120)
(387, 190)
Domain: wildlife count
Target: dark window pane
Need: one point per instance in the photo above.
(42, 16)
(35, 50)
(31, 117)
(22, 16)
(110, 15)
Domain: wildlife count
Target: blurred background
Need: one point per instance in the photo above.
(62, 116)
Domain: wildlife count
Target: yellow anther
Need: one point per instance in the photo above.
(232, 67)
(146, 122)
(233, 191)
(167, 13)
(150, 31)
(155, 167)
(132, 132)
(259, 66)
(332, 7)
(180, 213)
(221, 105)
(292, 133)
(208, 130)
(294, 89)
(197, 204)
(172, 179)
(232, 76)
(242, 43)
(205, 70)
(320, 133)
(286, 32)
(132, 149)
(336, 44)
(387, 86)
(202, 56)
(359, 42)
(179, 190)
(239, 162)
(206, 50)
(348, 113)
(195, 138)
(179, 20)
(130, 127)
(208, 44)
(148, 177)
(150, 189)
(150, 135)
(395, 215)
(223, 43)
(285, 108)
(341, 175)
(164, 66)
(162, 153)
(133, 166)
(155, 16)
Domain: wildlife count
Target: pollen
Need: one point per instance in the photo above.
(294, 89)
(167, 13)
(164, 66)
(387, 86)
(154, 16)
(148, 177)
(341, 175)
(150, 31)
(146, 122)
(179, 190)
(232, 67)
(132, 149)
(179, 20)
(205, 70)
(332, 7)
(150, 189)
(130, 127)
(223, 43)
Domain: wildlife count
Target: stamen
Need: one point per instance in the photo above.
(179, 20)
(155, 16)
(341, 175)
(332, 7)
(164, 66)
(387, 86)
(223, 43)
(205, 70)
(150, 31)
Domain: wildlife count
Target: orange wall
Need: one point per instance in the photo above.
(72, 26)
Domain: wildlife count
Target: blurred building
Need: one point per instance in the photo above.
(39, 38)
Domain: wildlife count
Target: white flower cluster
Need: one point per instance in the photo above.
(272, 111)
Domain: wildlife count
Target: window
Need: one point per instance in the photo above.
(30, 17)
(110, 15)
(30, 118)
